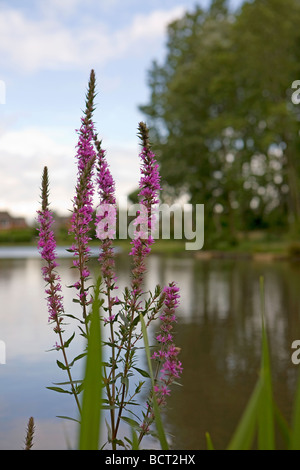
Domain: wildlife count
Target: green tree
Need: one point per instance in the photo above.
(222, 120)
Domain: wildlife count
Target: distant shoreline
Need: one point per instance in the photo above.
(262, 257)
(165, 247)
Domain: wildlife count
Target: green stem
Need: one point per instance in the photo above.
(126, 370)
(143, 432)
(113, 394)
(111, 404)
(67, 366)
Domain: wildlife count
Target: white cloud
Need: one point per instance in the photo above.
(23, 155)
(49, 42)
(31, 45)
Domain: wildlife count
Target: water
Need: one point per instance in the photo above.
(218, 331)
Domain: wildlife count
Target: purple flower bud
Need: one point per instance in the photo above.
(148, 197)
(171, 368)
(106, 221)
(83, 200)
(47, 249)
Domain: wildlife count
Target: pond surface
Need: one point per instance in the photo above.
(218, 331)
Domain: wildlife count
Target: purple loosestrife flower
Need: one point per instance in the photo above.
(170, 366)
(106, 223)
(47, 247)
(148, 198)
(83, 201)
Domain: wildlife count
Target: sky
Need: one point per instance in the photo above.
(47, 49)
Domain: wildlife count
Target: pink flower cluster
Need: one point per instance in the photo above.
(170, 366)
(107, 211)
(150, 181)
(105, 225)
(83, 206)
(105, 180)
(148, 196)
(47, 247)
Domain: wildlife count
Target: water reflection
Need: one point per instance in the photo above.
(219, 331)
(220, 338)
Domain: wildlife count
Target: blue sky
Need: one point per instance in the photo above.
(47, 49)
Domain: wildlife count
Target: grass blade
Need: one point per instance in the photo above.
(283, 426)
(244, 434)
(209, 443)
(266, 428)
(259, 413)
(295, 432)
(158, 421)
(91, 402)
(135, 441)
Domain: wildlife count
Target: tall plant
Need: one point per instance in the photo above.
(116, 369)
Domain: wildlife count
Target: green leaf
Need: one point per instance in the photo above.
(135, 441)
(125, 381)
(91, 401)
(133, 424)
(158, 421)
(118, 442)
(58, 389)
(109, 407)
(139, 386)
(295, 432)
(209, 441)
(68, 382)
(137, 319)
(77, 358)
(282, 426)
(144, 373)
(259, 412)
(69, 315)
(109, 433)
(61, 365)
(67, 343)
(266, 429)
(244, 434)
(69, 418)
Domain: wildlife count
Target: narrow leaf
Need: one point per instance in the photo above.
(295, 433)
(134, 424)
(91, 402)
(244, 434)
(80, 356)
(67, 343)
(266, 428)
(58, 389)
(135, 441)
(61, 365)
(68, 417)
(282, 426)
(144, 373)
(209, 441)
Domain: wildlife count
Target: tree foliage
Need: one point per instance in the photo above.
(223, 123)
